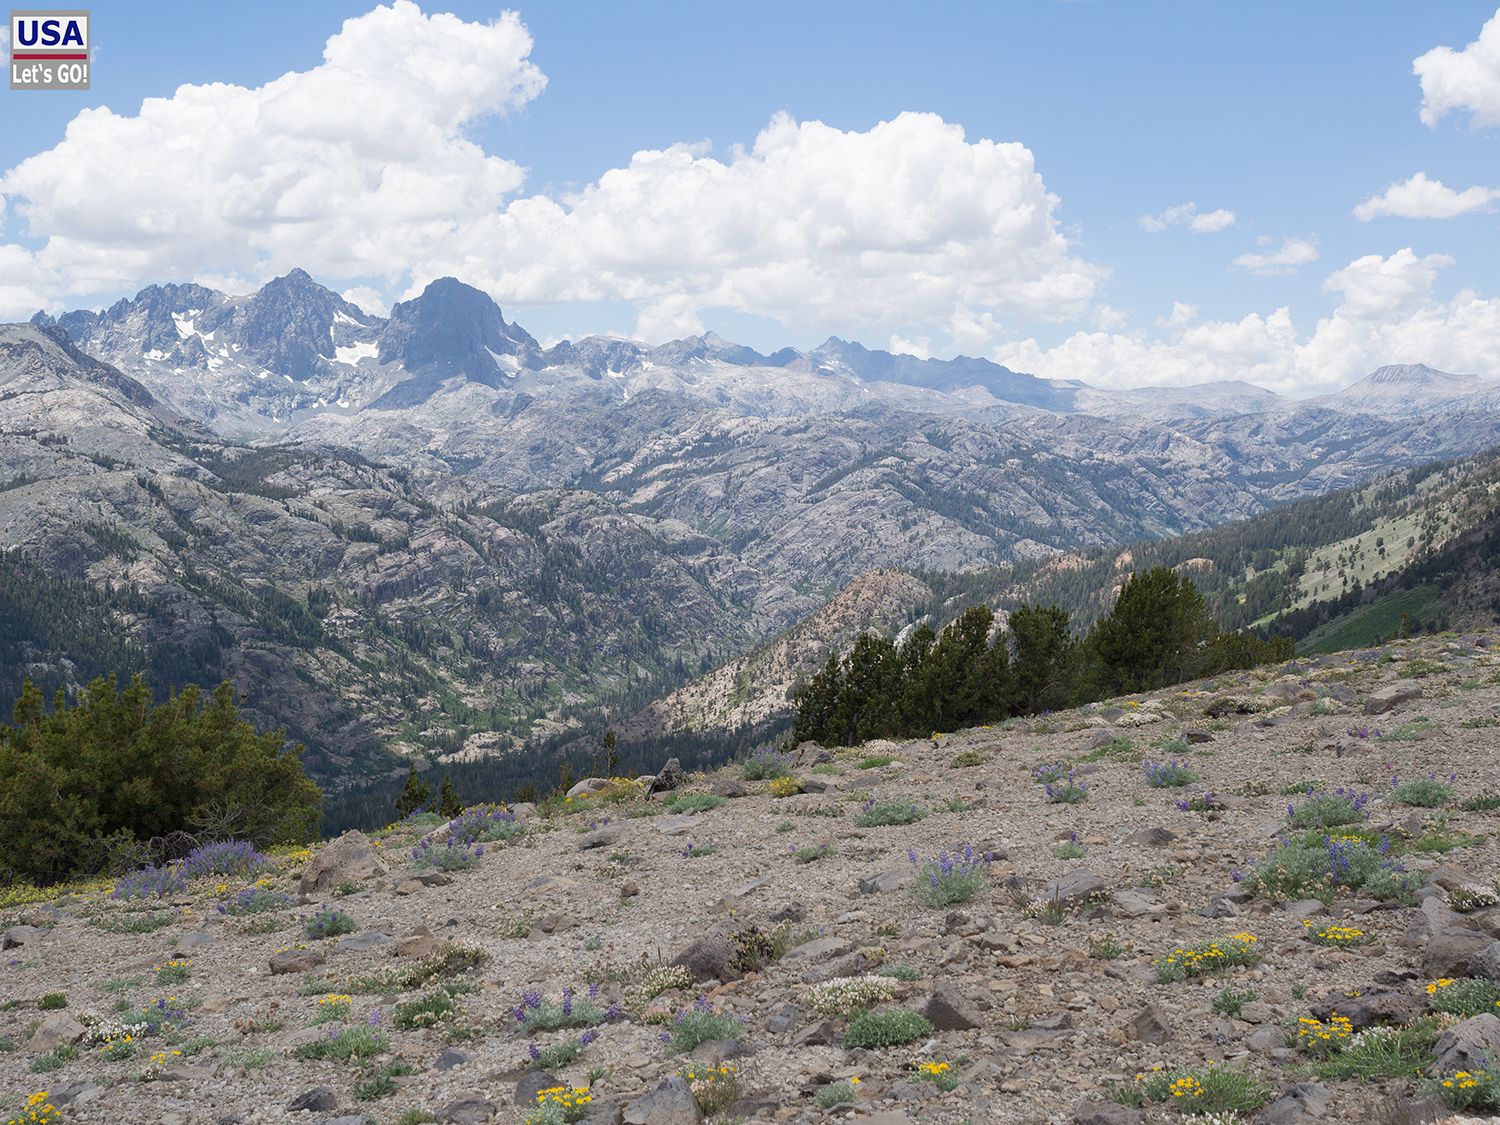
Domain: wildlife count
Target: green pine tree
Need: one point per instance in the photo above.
(448, 803)
(414, 794)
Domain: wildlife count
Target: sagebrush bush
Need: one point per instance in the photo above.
(880, 814)
(1329, 809)
(892, 1028)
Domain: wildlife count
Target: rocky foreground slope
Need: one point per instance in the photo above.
(588, 927)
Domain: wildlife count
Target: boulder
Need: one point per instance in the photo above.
(1470, 1045)
(1388, 698)
(947, 1009)
(1074, 887)
(670, 776)
(1150, 1025)
(469, 1110)
(1486, 963)
(731, 788)
(1448, 953)
(891, 880)
(349, 859)
(606, 837)
(57, 1029)
(588, 787)
(1096, 1111)
(1297, 1105)
(320, 1099)
(533, 1082)
(1151, 837)
(1373, 1009)
(18, 936)
(671, 1103)
(710, 957)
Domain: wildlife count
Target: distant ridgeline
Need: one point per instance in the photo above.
(1159, 632)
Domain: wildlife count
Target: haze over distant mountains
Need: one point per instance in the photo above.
(429, 533)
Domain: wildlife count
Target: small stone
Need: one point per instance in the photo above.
(320, 1098)
(605, 837)
(731, 788)
(948, 1010)
(467, 1111)
(362, 943)
(1297, 1105)
(295, 961)
(1095, 1111)
(1151, 837)
(1149, 1025)
(887, 881)
(532, 1083)
(449, 1058)
(57, 1029)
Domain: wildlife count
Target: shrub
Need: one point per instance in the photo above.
(1214, 957)
(52, 1001)
(1066, 791)
(382, 1081)
(876, 761)
(1471, 897)
(844, 996)
(654, 981)
(813, 853)
(255, 900)
(788, 786)
(482, 824)
(1422, 792)
(536, 1012)
(764, 763)
(428, 1011)
(1230, 1001)
(1202, 1090)
(835, 1094)
(1380, 1053)
(329, 922)
(715, 1087)
(226, 857)
(949, 879)
(1168, 775)
(451, 856)
(1328, 809)
(352, 1044)
(114, 769)
(149, 882)
(898, 970)
(962, 760)
(1318, 865)
(700, 1024)
(1464, 996)
(173, 972)
(892, 1028)
(1049, 772)
(880, 814)
(1106, 947)
(1483, 802)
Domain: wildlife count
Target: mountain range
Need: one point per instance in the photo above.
(429, 534)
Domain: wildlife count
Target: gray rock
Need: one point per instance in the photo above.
(533, 1082)
(1448, 953)
(731, 787)
(674, 825)
(1151, 837)
(347, 1119)
(783, 1019)
(710, 957)
(1150, 1025)
(56, 1029)
(1095, 1111)
(1135, 903)
(349, 859)
(887, 881)
(1304, 1102)
(470, 1110)
(1373, 1009)
(671, 1103)
(818, 949)
(669, 777)
(363, 943)
(1304, 908)
(321, 1099)
(588, 786)
(605, 1111)
(1197, 737)
(948, 1010)
(1074, 887)
(199, 940)
(450, 1057)
(18, 936)
(1392, 696)
(605, 837)
(1486, 963)
(295, 961)
(1471, 1045)
(1265, 1039)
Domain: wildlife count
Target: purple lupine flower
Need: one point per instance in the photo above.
(567, 1001)
(534, 1050)
(587, 1037)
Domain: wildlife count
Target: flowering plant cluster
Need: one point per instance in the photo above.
(843, 996)
(654, 981)
(39, 1111)
(1328, 809)
(939, 1073)
(255, 900)
(700, 1024)
(1168, 775)
(225, 857)
(173, 972)
(1049, 772)
(329, 922)
(1323, 1036)
(788, 786)
(764, 763)
(149, 882)
(536, 1012)
(452, 856)
(1464, 996)
(483, 823)
(333, 1007)
(1339, 937)
(1468, 1089)
(714, 1087)
(1319, 865)
(950, 878)
(1065, 790)
(1204, 802)
(1470, 897)
(1214, 957)
(560, 1104)
(880, 814)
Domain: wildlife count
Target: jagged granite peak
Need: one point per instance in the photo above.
(290, 323)
(459, 329)
(40, 351)
(596, 356)
(712, 347)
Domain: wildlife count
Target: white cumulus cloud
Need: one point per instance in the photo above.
(906, 223)
(1292, 254)
(1423, 198)
(1188, 215)
(349, 169)
(1387, 312)
(1463, 80)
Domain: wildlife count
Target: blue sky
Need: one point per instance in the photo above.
(1289, 115)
